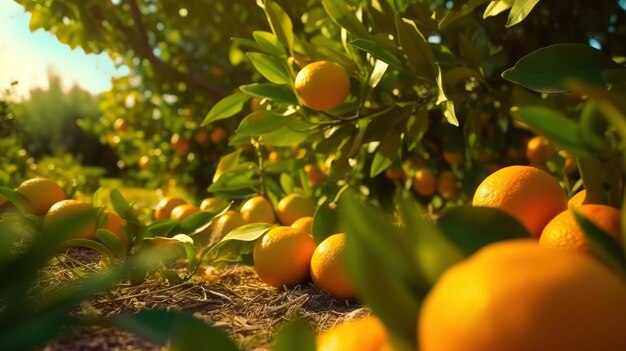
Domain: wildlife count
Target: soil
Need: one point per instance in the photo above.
(232, 298)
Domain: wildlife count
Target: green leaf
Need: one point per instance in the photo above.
(448, 112)
(294, 335)
(238, 242)
(286, 183)
(378, 72)
(225, 108)
(280, 23)
(190, 334)
(295, 132)
(269, 43)
(375, 50)
(121, 205)
(546, 70)
(414, 45)
(519, 11)
(195, 222)
(325, 221)
(276, 93)
(93, 245)
(553, 125)
(417, 127)
(239, 182)
(496, 7)
(386, 153)
(112, 242)
(459, 12)
(226, 163)
(261, 122)
(342, 14)
(160, 228)
(471, 228)
(15, 198)
(605, 246)
(272, 68)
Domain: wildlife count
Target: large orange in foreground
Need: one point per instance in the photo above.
(322, 85)
(327, 267)
(41, 194)
(563, 231)
(520, 296)
(363, 334)
(61, 211)
(282, 256)
(531, 195)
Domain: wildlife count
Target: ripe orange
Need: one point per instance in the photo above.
(322, 85)
(41, 194)
(282, 256)
(144, 162)
(578, 199)
(563, 232)
(179, 144)
(447, 185)
(218, 135)
(292, 207)
(116, 225)
(315, 175)
(202, 136)
(519, 296)
(273, 157)
(181, 212)
(257, 210)
(60, 211)
(164, 208)
(363, 334)
(570, 166)
(539, 150)
(304, 224)
(227, 222)
(395, 174)
(424, 182)
(528, 193)
(211, 204)
(327, 267)
(453, 158)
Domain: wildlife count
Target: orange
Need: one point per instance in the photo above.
(570, 167)
(164, 208)
(282, 256)
(257, 210)
(578, 199)
(539, 150)
(60, 211)
(453, 158)
(447, 185)
(211, 204)
(202, 136)
(40, 194)
(273, 157)
(322, 85)
(179, 144)
(315, 175)
(563, 232)
(304, 224)
(363, 334)
(424, 182)
(227, 222)
(144, 162)
(292, 207)
(394, 174)
(531, 195)
(120, 125)
(181, 212)
(116, 225)
(327, 267)
(218, 135)
(519, 296)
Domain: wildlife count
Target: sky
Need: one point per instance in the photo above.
(27, 57)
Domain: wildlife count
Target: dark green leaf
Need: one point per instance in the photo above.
(160, 228)
(471, 228)
(280, 23)
(121, 205)
(386, 153)
(294, 335)
(378, 52)
(603, 244)
(225, 108)
(195, 222)
(414, 45)
(459, 12)
(191, 334)
(112, 242)
(344, 16)
(272, 68)
(295, 132)
(546, 70)
(261, 122)
(15, 198)
(276, 93)
(417, 127)
(325, 221)
(238, 242)
(269, 43)
(286, 183)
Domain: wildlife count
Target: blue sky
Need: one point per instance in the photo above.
(27, 57)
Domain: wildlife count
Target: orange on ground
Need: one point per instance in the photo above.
(363, 334)
(179, 144)
(218, 135)
(424, 182)
(41, 194)
(202, 136)
(116, 225)
(315, 175)
(322, 85)
(227, 222)
(258, 210)
(304, 224)
(539, 150)
(60, 211)
(578, 199)
(282, 256)
(531, 195)
(518, 296)
(327, 267)
(292, 207)
(447, 185)
(563, 232)
(181, 212)
(453, 157)
(164, 208)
